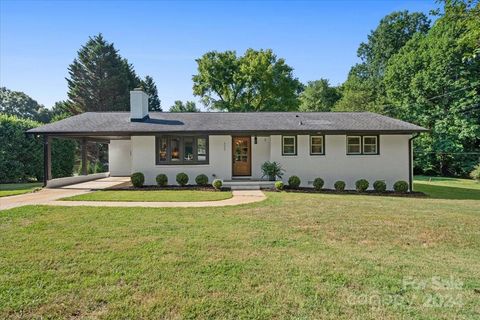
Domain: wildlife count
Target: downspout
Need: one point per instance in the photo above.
(410, 161)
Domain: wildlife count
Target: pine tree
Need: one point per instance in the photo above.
(150, 88)
(100, 79)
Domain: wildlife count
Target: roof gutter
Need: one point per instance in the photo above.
(410, 161)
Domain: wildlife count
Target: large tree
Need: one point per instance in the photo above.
(149, 86)
(100, 79)
(256, 81)
(364, 89)
(435, 81)
(179, 106)
(19, 104)
(318, 96)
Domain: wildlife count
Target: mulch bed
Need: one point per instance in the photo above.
(154, 187)
(414, 194)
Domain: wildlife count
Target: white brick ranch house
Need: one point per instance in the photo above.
(334, 146)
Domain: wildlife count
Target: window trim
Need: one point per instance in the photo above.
(181, 146)
(323, 144)
(359, 145)
(295, 145)
(362, 136)
(376, 145)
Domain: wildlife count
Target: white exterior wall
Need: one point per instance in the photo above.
(390, 165)
(260, 154)
(119, 158)
(220, 160)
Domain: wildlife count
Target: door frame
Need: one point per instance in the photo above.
(249, 156)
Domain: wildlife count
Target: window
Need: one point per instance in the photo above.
(370, 144)
(181, 150)
(354, 145)
(316, 145)
(289, 145)
(367, 145)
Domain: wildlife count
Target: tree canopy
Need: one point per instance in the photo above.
(150, 88)
(100, 79)
(318, 96)
(431, 83)
(188, 106)
(16, 103)
(364, 90)
(256, 81)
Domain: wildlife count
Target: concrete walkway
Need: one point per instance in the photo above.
(50, 197)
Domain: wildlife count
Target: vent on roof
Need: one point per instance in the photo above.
(316, 122)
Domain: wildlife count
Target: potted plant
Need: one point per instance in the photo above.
(272, 170)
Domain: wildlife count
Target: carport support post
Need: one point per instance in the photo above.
(47, 159)
(84, 156)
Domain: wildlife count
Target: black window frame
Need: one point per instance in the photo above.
(181, 139)
(323, 144)
(296, 145)
(362, 136)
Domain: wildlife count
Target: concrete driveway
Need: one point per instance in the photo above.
(48, 195)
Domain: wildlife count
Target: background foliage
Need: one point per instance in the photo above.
(21, 156)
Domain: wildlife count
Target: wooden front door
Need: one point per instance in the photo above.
(241, 156)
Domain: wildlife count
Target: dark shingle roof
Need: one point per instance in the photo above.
(223, 122)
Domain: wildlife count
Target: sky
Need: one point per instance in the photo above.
(319, 39)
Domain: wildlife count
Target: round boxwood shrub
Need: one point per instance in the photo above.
(137, 179)
(182, 178)
(318, 184)
(217, 184)
(162, 180)
(400, 186)
(201, 180)
(361, 185)
(294, 182)
(278, 185)
(379, 186)
(339, 185)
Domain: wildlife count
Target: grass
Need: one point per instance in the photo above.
(152, 195)
(11, 189)
(292, 256)
(448, 188)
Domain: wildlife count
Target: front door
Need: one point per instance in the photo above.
(242, 156)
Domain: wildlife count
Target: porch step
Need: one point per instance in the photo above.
(248, 184)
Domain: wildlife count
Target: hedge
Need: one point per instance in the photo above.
(21, 155)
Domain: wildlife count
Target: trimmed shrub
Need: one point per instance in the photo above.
(361, 185)
(138, 179)
(162, 180)
(217, 184)
(379, 186)
(279, 185)
(475, 174)
(400, 186)
(339, 185)
(201, 180)
(294, 182)
(318, 184)
(182, 178)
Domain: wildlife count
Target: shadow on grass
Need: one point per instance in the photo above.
(443, 192)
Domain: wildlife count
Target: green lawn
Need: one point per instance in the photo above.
(447, 188)
(153, 195)
(11, 189)
(292, 256)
